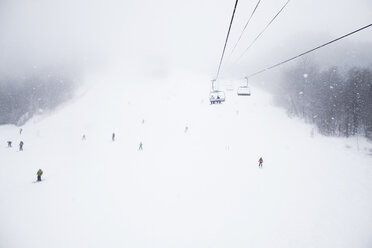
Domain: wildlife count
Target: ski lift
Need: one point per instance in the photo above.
(216, 96)
(244, 90)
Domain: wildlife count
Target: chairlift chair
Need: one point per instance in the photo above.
(216, 96)
(244, 90)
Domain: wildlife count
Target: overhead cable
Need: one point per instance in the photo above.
(309, 51)
(227, 38)
(266, 27)
(241, 35)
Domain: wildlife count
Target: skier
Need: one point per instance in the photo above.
(39, 173)
(140, 147)
(260, 161)
(113, 136)
(21, 146)
(83, 138)
(186, 129)
(9, 144)
(20, 131)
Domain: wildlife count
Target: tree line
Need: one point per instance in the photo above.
(21, 97)
(337, 101)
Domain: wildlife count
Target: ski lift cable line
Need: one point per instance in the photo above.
(227, 38)
(263, 31)
(241, 34)
(309, 51)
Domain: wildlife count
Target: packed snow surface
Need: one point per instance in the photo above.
(199, 187)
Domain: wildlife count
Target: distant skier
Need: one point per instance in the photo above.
(21, 146)
(20, 131)
(186, 129)
(83, 138)
(140, 148)
(9, 144)
(113, 137)
(143, 121)
(39, 173)
(260, 162)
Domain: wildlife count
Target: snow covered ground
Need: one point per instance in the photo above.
(202, 188)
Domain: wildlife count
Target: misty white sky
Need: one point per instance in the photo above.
(158, 37)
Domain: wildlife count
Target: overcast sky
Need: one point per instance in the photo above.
(162, 36)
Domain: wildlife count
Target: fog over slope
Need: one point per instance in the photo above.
(165, 35)
(84, 38)
(142, 70)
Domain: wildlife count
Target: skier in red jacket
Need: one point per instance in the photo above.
(260, 161)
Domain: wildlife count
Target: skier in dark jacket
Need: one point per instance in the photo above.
(39, 173)
(9, 144)
(113, 136)
(260, 161)
(21, 146)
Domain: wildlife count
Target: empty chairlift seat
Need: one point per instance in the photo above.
(216, 96)
(244, 91)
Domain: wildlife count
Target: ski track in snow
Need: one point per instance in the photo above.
(202, 188)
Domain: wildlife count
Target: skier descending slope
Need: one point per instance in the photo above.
(9, 144)
(21, 146)
(140, 148)
(113, 137)
(260, 161)
(39, 174)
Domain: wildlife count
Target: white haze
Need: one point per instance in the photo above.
(156, 38)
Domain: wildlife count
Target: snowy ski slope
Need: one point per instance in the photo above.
(202, 188)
